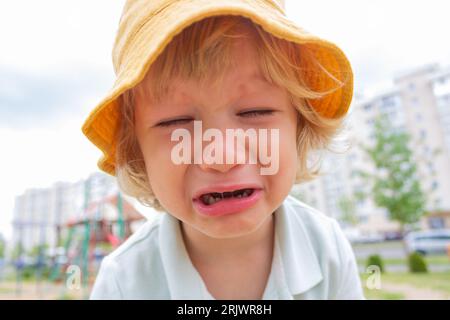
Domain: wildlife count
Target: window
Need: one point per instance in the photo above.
(437, 202)
(436, 222)
(434, 185)
(352, 157)
(423, 134)
(390, 103)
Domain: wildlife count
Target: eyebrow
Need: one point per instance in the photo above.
(242, 86)
(257, 75)
(255, 79)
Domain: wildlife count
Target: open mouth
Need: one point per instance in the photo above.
(214, 197)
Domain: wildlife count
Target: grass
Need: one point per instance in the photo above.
(433, 260)
(383, 295)
(434, 281)
(439, 281)
(7, 290)
(66, 296)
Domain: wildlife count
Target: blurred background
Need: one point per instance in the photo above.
(390, 191)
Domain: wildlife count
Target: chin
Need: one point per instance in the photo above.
(235, 225)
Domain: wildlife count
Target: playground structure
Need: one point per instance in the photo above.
(90, 238)
(82, 242)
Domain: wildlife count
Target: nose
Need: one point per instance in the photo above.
(218, 153)
(222, 168)
(218, 166)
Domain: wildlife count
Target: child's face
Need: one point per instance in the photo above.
(177, 186)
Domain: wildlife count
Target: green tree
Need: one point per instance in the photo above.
(2, 249)
(348, 209)
(17, 252)
(38, 250)
(395, 184)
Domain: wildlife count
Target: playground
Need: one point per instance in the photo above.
(67, 270)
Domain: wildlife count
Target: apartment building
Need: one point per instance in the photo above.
(417, 103)
(40, 214)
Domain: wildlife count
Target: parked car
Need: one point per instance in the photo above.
(393, 235)
(428, 242)
(355, 236)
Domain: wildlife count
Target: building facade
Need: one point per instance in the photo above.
(40, 214)
(418, 103)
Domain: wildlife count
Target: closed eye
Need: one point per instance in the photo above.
(169, 123)
(256, 113)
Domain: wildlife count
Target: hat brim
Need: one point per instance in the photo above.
(155, 34)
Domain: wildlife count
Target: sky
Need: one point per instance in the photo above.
(55, 66)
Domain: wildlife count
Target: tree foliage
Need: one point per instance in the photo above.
(395, 184)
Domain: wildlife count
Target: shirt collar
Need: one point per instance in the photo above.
(184, 281)
(299, 261)
(295, 265)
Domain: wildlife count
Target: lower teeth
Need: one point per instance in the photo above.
(211, 199)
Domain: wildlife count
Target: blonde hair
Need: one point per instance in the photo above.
(202, 49)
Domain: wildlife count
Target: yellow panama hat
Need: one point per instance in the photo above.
(147, 26)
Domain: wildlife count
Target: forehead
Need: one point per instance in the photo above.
(243, 76)
(234, 85)
(235, 73)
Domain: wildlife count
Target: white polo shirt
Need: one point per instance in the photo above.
(312, 260)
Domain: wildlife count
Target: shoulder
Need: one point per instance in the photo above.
(319, 227)
(145, 238)
(316, 230)
(134, 270)
(331, 249)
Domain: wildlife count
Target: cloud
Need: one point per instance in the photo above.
(381, 38)
(38, 157)
(49, 34)
(31, 99)
(55, 65)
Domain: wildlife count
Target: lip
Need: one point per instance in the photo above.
(230, 205)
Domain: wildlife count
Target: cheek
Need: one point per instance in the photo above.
(288, 159)
(289, 147)
(162, 173)
(288, 150)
